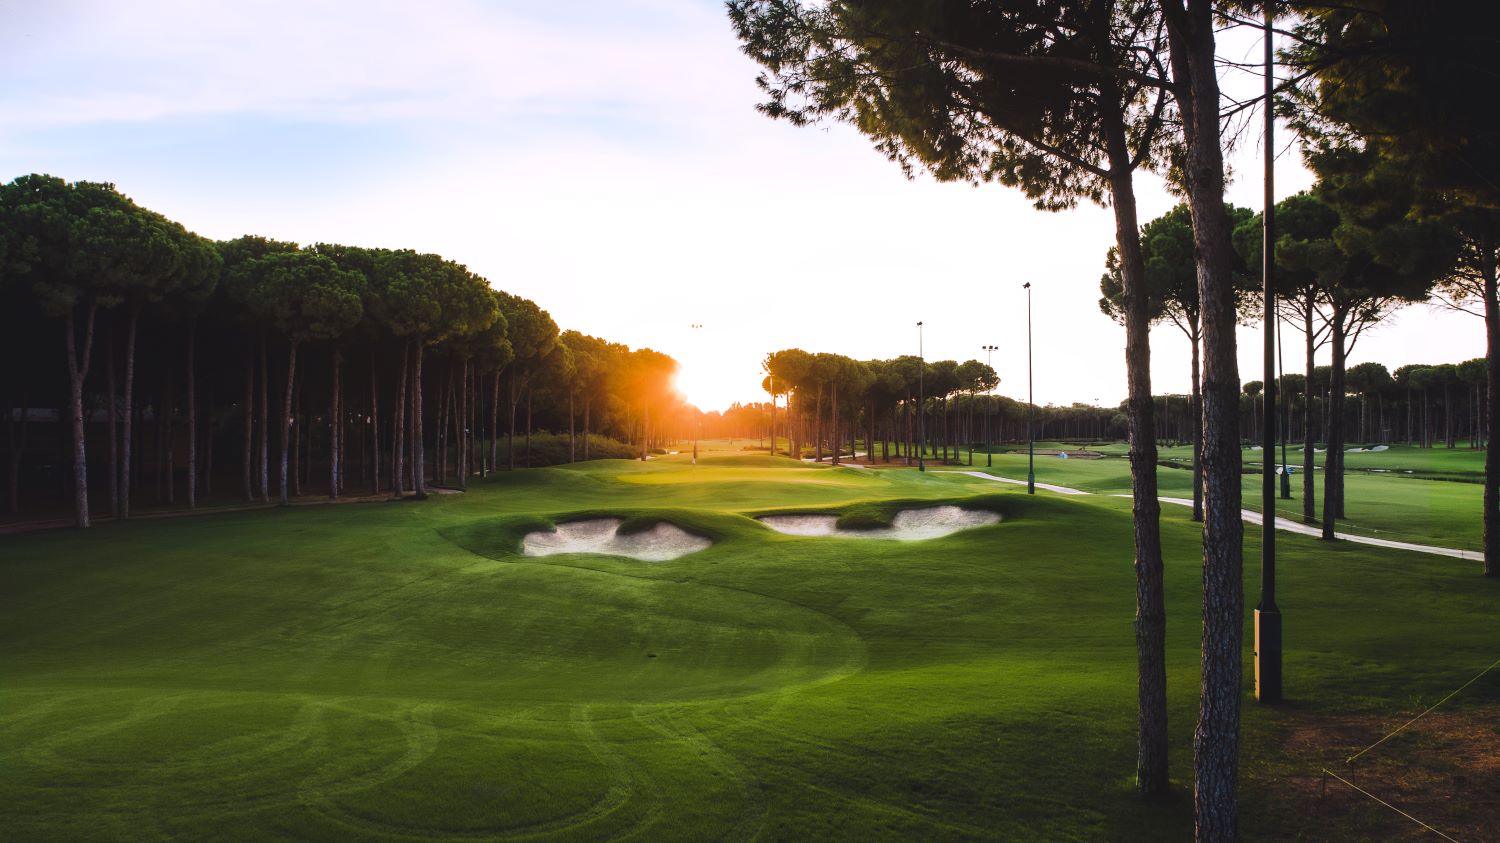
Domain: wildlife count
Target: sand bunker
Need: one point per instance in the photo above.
(908, 525)
(602, 535)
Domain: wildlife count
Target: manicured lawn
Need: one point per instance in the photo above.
(1389, 506)
(395, 671)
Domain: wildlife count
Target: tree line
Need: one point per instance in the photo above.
(388, 369)
(1068, 102)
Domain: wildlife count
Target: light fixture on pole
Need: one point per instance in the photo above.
(989, 445)
(921, 401)
(1030, 402)
(1267, 616)
(698, 423)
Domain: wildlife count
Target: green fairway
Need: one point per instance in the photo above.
(1388, 505)
(396, 671)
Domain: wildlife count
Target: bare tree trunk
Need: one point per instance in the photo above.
(78, 371)
(1492, 407)
(129, 402)
(398, 430)
(572, 432)
(495, 422)
(374, 426)
(1196, 410)
(528, 422)
(833, 423)
(170, 455)
(464, 428)
(335, 429)
(586, 401)
(1150, 616)
(1333, 467)
(1309, 438)
(1190, 30)
(286, 417)
(418, 455)
(113, 405)
(249, 421)
(192, 415)
(510, 429)
(265, 425)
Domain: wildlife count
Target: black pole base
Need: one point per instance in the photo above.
(1268, 655)
(1286, 485)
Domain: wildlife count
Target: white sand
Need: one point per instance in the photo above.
(602, 535)
(908, 525)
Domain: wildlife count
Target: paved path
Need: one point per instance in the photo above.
(1253, 517)
(1061, 490)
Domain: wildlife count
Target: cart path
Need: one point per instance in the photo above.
(1253, 517)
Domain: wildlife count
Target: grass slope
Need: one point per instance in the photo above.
(395, 671)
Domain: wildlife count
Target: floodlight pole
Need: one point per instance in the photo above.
(698, 426)
(921, 403)
(1286, 415)
(1267, 616)
(989, 444)
(1030, 402)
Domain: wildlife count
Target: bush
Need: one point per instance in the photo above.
(552, 449)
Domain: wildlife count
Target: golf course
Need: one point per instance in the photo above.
(402, 671)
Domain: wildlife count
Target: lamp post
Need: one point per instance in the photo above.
(698, 425)
(1030, 402)
(921, 402)
(1286, 415)
(1267, 616)
(989, 445)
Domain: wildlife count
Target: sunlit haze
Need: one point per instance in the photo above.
(604, 159)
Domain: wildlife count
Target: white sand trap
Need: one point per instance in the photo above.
(908, 525)
(602, 535)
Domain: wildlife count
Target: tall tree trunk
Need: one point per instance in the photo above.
(1492, 405)
(495, 422)
(374, 426)
(528, 422)
(1196, 410)
(510, 429)
(1190, 30)
(1309, 437)
(398, 429)
(586, 401)
(465, 427)
(1333, 468)
(113, 411)
(192, 414)
(249, 422)
(169, 457)
(78, 371)
(418, 456)
(572, 431)
(286, 418)
(833, 408)
(132, 320)
(1150, 601)
(265, 424)
(335, 430)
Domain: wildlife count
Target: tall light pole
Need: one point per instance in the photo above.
(921, 403)
(1030, 402)
(1267, 616)
(989, 445)
(698, 423)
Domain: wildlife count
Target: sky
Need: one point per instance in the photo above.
(606, 160)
